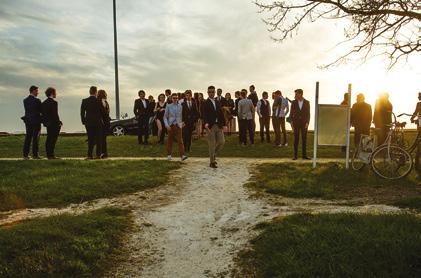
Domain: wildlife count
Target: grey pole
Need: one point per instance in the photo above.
(117, 89)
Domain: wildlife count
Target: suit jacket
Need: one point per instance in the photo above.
(190, 115)
(212, 116)
(221, 100)
(33, 110)
(300, 116)
(141, 111)
(254, 98)
(361, 115)
(92, 112)
(50, 117)
(173, 115)
(245, 109)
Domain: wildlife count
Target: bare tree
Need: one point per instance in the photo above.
(375, 27)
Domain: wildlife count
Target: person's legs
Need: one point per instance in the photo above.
(277, 128)
(146, 129)
(357, 136)
(35, 139)
(284, 131)
(52, 136)
(159, 128)
(304, 141)
(170, 140)
(250, 131)
(179, 132)
(140, 131)
(28, 139)
(187, 134)
(267, 124)
(220, 139)
(296, 139)
(242, 135)
(104, 144)
(98, 140)
(90, 131)
(212, 144)
(262, 129)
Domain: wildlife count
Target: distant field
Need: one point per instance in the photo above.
(32, 184)
(75, 146)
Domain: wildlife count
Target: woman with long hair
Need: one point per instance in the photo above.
(199, 127)
(102, 96)
(159, 120)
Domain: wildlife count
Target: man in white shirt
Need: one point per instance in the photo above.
(264, 112)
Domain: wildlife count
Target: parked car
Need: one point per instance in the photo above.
(123, 126)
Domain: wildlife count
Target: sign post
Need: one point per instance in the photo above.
(316, 125)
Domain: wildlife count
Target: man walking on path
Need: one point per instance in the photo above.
(142, 110)
(300, 119)
(32, 120)
(214, 123)
(173, 120)
(190, 118)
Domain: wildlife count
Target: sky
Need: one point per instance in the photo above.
(176, 44)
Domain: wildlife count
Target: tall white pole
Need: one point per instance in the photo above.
(348, 134)
(117, 87)
(316, 125)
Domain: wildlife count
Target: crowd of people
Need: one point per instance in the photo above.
(179, 115)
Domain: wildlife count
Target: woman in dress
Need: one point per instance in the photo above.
(102, 96)
(160, 111)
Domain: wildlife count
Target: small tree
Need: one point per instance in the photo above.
(376, 27)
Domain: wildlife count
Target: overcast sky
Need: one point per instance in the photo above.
(175, 44)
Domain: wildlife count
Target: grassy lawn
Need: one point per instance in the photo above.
(331, 181)
(337, 245)
(29, 184)
(63, 246)
(76, 146)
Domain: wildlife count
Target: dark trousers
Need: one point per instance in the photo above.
(359, 130)
(52, 136)
(264, 125)
(94, 139)
(143, 129)
(104, 148)
(283, 130)
(32, 136)
(187, 136)
(300, 129)
(246, 125)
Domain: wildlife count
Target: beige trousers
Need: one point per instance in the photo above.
(216, 141)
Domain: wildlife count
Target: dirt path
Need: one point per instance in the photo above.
(194, 226)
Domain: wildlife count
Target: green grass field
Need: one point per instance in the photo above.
(331, 181)
(63, 246)
(76, 146)
(29, 184)
(337, 245)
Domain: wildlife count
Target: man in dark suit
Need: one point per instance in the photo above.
(220, 98)
(190, 117)
(361, 117)
(32, 120)
(382, 117)
(214, 122)
(92, 114)
(51, 121)
(255, 99)
(300, 119)
(142, 112)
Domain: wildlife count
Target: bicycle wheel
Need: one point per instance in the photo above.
(356, 162)
(391, 162)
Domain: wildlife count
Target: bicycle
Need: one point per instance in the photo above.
(411, 148)
(389, 160)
